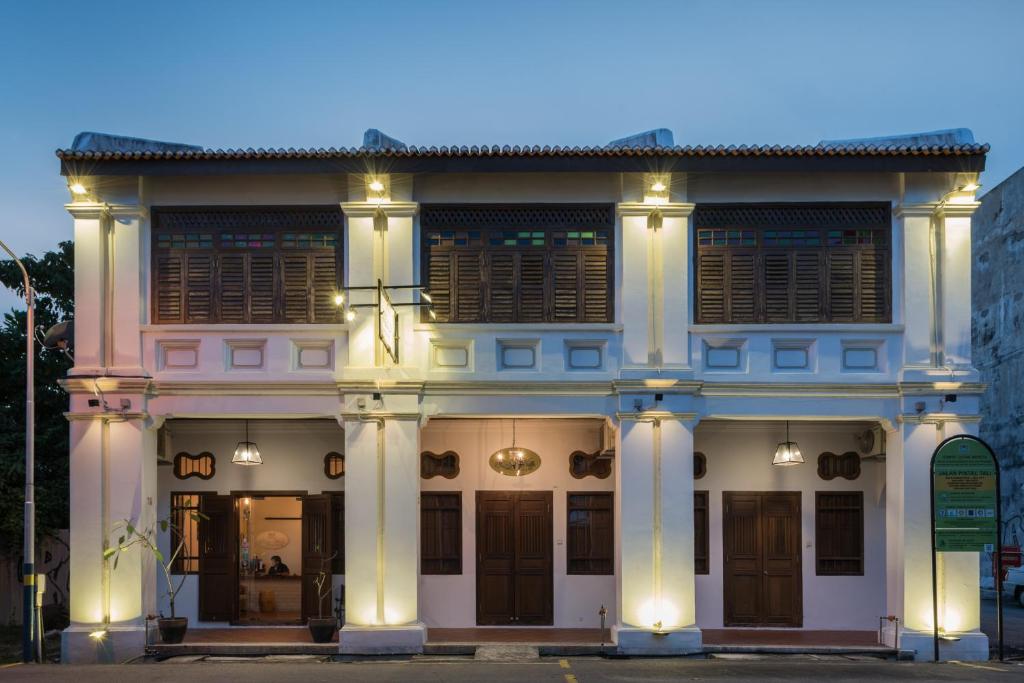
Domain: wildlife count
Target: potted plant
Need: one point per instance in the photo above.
(172, 629)
(322, 628)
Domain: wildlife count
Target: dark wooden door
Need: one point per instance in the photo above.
(317, 548)
(761, 544)
(218, 559)
(514, 553)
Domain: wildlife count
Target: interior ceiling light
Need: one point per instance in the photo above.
(787, 452)
(247, 453)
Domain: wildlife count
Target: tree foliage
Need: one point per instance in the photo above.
(52, 277)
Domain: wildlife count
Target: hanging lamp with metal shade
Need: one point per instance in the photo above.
(246, 452)
(514, 461)
(788, 453)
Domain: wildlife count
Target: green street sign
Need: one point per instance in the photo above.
(965, 497)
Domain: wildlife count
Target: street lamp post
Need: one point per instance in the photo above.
(28, 630)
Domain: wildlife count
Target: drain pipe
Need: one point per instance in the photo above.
(603, 613)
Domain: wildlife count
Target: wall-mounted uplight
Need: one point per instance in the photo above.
(425, 295)
(350, 315)
(339, 299)
(78, 189)
(658, 186)
(376, 186)
(98, 635)
(970, 187)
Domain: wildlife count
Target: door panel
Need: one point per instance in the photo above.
(763, 583)
(514, 567)
(218, 562)
(317, 547)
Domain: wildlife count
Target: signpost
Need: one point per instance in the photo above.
(387, 327)
(965, 512)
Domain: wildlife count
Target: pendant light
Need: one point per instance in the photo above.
(788, 453)
(514, 461)
(247, 453)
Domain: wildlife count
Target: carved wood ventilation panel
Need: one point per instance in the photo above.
(700, 465)
(202, 466)
(597, 464)
(439, 464)
(846, 466)
(334, 465)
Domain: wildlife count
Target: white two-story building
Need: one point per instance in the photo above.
(509, 386)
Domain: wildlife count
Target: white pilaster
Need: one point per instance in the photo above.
(91, 267)
(128, 272)
(382, 530)
(919, 284)
(113, 478)
(654, 477)
(956, 283)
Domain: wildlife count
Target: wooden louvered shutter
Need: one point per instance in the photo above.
(596, 292)
(839, 531)
(218, 558)
(711, 288)
(169, 289)
(501, 274)
(317, 542)
(778, 274)
(325, 286)
(531, 287)
(468, 286)
(874, 287)
(262, 274)
(232, 287)
(199, 288)
(295, 287)
(809, 291)
(842, 284)
(565, 286)
(742, 289)
(338, 532)
(701, 533)
(439, 277)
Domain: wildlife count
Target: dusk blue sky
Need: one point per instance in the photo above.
(297, 74)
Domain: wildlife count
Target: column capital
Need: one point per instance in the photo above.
(670, 209)
(957, 210)
(127, 211)
(87, 210)
(388, 209)
(347, 416)
(938, 209)
(656, 416)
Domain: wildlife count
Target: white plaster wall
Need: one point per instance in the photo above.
(292, 451)
(739, 457)
(450, 601)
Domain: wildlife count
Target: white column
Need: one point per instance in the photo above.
(91, 252)
(674, 297)
(113, 478)
(382, 530)
(956, 283)
(919, 337)
(908, 524)
(654, 480)
(128, 273)
(634, 293)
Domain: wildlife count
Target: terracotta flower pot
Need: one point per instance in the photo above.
(322, 628)
(172, 631)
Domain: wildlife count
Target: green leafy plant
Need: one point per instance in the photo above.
(129, 534)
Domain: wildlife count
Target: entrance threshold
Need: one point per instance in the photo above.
(794, 641)
(246, 641)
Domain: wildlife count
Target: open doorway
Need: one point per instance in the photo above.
(270, 560)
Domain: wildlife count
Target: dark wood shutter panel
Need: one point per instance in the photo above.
(468, 297)
(502, 286)
(874, 287)
(232, 288)
(701, 532)
(742, 287)
(778, 274)
(807, 296)
(325, 287)
(711, 288)
(842, 286)
(839, 531)
(218, 564)
(440, 533)
(317, 542)
(262, 275)
(199, 288)
(439, 277)
(531, 287)
(338, 532)
(590, 537)
(596, 292)
(296, 286)
(169, 289)
(565, 286)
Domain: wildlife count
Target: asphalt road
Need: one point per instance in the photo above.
(573, 670)
(1013, 624)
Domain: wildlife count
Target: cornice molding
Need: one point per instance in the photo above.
(128, 211)
(389, 209)
(517, 388)
(957, 209)
(922, 209)
(347, 416)
(941, 387)
(110, 416)
(936, 418)
(87, 210)
(799, 390)
(241, 388)
(654, 416)
(669, 210)
(659, 386)
(383, 386)
(107, 384)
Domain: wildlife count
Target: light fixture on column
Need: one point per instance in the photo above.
(787, 452)
(247, 453)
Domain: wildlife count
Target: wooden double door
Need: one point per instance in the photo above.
(761, 547)
(514, 558)
(323, 546)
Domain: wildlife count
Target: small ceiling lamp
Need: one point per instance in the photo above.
(658, 186)
(247, 453)
(514, 461)
(787, 452)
